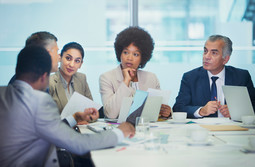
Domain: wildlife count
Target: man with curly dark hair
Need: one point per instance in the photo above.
(133, 48)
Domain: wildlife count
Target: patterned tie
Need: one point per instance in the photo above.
(214, 93)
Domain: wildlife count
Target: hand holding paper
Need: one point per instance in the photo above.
(87, 116)
(78, 103)
(165, 110)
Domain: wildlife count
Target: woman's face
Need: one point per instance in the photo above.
(131, 57)
(71, 61)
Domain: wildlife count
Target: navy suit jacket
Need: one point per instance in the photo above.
(195, 88)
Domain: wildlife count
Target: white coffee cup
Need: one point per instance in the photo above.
(248, 120)
(199, 135)
(179, 116)
(252, 142)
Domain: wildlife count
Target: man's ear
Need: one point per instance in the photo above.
(226, 59)
(44, 77)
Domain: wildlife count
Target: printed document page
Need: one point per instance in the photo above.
(164, 93)
(76, 103)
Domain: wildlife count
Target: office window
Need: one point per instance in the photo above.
(93, 24)
(178, 27)
(175, 24)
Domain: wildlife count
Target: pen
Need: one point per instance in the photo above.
(121, 149)
(113, 123)
(219, 139)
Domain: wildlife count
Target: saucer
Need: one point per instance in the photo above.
(199, 143)
(178, 121)
(247, 149)
(247, 126)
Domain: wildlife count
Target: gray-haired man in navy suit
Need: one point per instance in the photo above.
(201, 94)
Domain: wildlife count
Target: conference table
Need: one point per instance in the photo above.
(175, 147)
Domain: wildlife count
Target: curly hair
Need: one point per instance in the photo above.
(139, 38)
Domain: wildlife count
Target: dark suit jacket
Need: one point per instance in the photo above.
(195, 88)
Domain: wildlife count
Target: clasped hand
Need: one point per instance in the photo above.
(129, 74)
(213, 106)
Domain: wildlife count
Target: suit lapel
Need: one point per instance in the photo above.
(118, 74)
(60, 91)
(77, 85)
(228, 76)
(205, 85)
(141, 81)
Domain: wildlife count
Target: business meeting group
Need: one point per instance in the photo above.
(33, 133)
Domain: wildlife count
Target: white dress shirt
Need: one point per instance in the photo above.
(220, 96)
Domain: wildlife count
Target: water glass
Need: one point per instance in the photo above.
(142, 126)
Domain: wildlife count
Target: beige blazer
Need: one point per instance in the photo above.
(113, 89)
(57, 91)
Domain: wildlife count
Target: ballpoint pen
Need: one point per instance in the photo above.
(121, 149)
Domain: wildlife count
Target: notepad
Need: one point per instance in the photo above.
(224, 128)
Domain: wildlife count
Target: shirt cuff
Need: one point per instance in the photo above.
(196, 113)
(70, 119)
(119, 134)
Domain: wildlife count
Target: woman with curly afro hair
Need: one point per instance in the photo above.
(133, 48)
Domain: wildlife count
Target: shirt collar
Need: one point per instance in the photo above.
(64, 82)
(22, 84)
(221, 75)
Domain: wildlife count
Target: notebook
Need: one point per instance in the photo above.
(152, 107)
(124, 110)
(238, 101)
(139, 105)
(131, 107)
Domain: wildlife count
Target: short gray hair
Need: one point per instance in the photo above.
(227, 48)
(42, 38)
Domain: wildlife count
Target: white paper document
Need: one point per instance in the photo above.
(76, 103)
(164, 93)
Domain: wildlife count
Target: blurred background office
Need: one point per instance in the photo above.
(178, 27)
